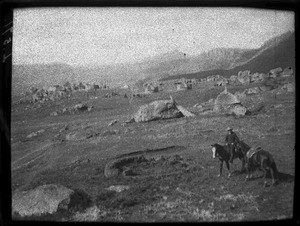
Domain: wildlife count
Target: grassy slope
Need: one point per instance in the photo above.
(191, 195)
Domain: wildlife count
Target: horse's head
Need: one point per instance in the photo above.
(214, 150)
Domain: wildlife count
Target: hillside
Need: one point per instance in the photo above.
(271, 55)
(278, 51)
(219, 58)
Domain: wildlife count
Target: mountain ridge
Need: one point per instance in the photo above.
(164, 66)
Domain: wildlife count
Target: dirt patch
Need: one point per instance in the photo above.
(148, 163)
(164, 150)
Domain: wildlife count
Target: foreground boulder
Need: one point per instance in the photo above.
(45, 199)
(160, 109)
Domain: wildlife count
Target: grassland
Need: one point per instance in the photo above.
(163, 192)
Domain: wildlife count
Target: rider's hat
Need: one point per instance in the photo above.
(229, 129)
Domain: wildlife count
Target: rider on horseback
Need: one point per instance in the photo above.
(232, 141)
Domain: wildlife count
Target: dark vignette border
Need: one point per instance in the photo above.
(6, 15)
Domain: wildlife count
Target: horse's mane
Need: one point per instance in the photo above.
(218, 145)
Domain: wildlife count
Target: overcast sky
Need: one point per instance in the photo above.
(87, 36)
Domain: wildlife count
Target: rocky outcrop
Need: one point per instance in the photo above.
(160, 109)
(224, 100)
(228, 103)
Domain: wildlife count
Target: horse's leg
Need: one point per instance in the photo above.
(221, 168)
(227, 164)
(265, 171)
(249, 171)
(243, 165)
(248, 174)
(272, 174)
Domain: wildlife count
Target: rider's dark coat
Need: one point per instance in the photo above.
(232, 138)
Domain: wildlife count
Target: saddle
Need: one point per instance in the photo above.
(252, 151)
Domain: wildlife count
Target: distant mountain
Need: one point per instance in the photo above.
(276, 52)
(219, 58)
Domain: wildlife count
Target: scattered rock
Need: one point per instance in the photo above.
(275, 72)
(34, 134)
(278, 106)
(54, 113)
(130, 121)
(110, 170)
(81, 107)
(113, 122)
(289, 87)
(45, 199)
(253, 90)
(41, 131)
(118, 188)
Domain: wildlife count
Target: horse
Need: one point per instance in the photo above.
(222, 152)
(263, 161)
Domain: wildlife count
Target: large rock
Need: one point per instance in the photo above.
(275, 72)
(287, 72)
(45, 199)
(160, 109)
(289, 87)
(238, 110)
(224, 100)
(253, 90)
(228, 103)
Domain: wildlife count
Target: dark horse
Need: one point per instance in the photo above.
(222, 152)
(261, 160)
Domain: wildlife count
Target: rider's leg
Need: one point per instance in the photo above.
(231, 147)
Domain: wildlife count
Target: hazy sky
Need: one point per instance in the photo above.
(81, 36)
